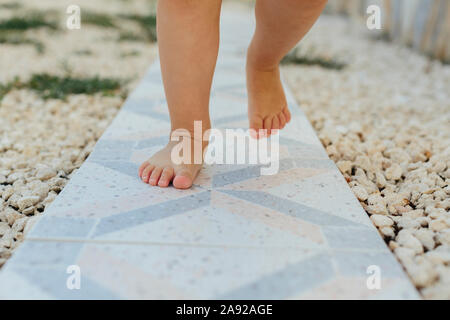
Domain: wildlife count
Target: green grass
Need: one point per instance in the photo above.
(10, 5)
(294, 58)
(32, 20)
(132, 53)
(83, 52)
(12, 30)
(55, 87)
(98, 19)
(17, 38)
(5, 88)
(147, 23)
(130, 36)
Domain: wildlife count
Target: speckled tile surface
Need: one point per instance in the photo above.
(300, 234)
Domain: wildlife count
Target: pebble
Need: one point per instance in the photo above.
(345, 166)
(4, 227)
(394, 172)
(438, 225)
(360, 193)
(19, 225)
(381, 220)
(27, 201)
(44, 172)
(406, 239)
(426, 237)
(387, 232)
(408, 223)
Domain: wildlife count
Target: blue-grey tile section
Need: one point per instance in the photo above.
(362, 238)
(125, 167)
(46, 254)
(247, 173)
(355, 263)
(151, 213)
(112, 150)
(62, 227)
(290, 208)
(291, 280)
(53, 282)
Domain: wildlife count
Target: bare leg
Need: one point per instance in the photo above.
(188, 39)
(280, 24)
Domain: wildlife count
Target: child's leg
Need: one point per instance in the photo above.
(280, 25)
(188, 40)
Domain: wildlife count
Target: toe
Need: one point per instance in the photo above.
(146, 173)
(287, 114)
(166, 177)
(142, 168)
(256, 124)
(154, 178)
(275, 123)
(282, 120)
(182, 180)
(268, 125)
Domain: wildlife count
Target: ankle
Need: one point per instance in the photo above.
(194, 126)
(197, 130)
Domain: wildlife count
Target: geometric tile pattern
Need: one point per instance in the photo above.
(300, 234)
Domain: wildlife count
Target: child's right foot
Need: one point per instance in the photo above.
(160, 170)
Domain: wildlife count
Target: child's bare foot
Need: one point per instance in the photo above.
(160, 170)
(267, 105)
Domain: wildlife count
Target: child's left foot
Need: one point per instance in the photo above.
(267, 105)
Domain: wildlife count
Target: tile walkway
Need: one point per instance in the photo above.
(236, 234)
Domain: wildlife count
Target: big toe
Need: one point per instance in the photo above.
(287, 114)
(182, 180)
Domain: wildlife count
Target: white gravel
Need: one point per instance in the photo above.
(385, 121)
(43, 142)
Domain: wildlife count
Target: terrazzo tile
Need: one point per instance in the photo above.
(137, 271)
(210, 225)
(159, 271)
(151, 213)
(62, 227)
(50, 283)
(291, 208)
(47, 254)
(362, 238)
(345, 288)
(299, 234)
(290, 280)
(334, 198)
(112, 150)
(355, 263)
(134, 124)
